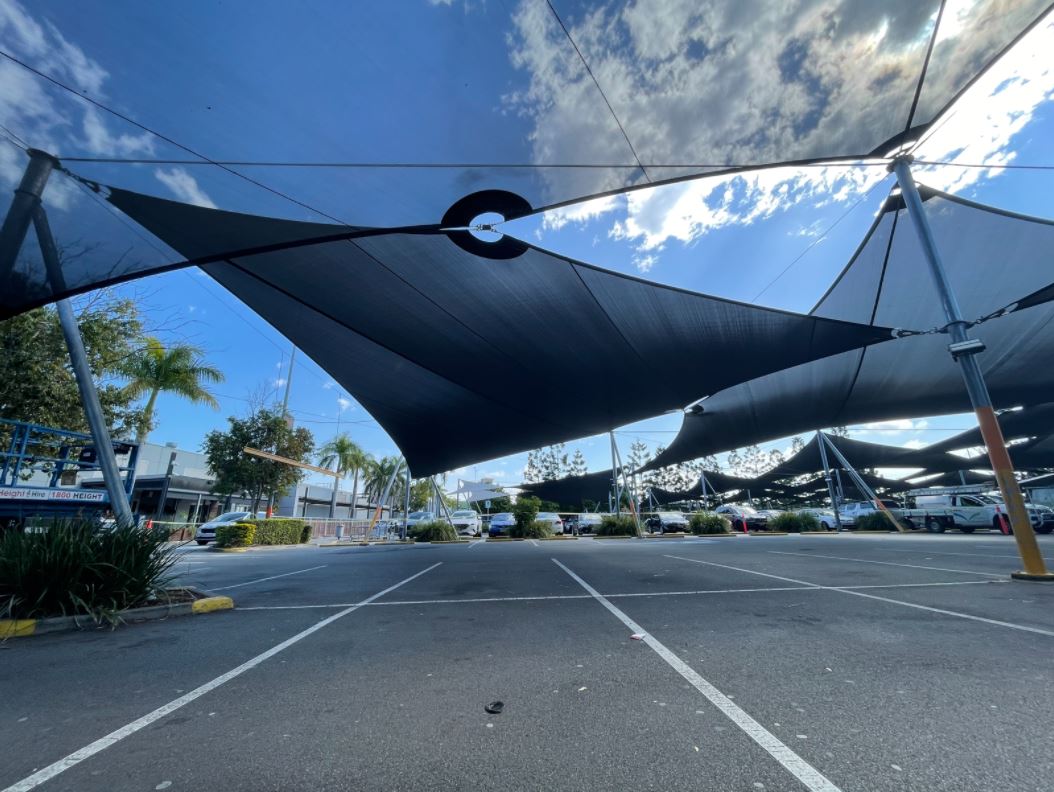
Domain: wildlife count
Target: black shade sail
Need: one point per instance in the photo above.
(1035, 421)
(463, 358)
(353, 113)
(992, 257)
(574, 491)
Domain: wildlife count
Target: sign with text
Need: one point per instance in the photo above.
(61, 495)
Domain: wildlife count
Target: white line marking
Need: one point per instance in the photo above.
(469, 600)
(798, 767)
(533, 542)
(938, 552)
(890, 563)
(846, 590)
(62, 765)
(272, 577)
(473, 544)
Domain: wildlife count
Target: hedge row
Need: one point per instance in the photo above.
(617, 525)
(532, 530)
(793, 522)
(709, 523)
(434, 531)
(273, 531)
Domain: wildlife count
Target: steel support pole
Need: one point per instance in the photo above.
(379, 511)
(20, 213)
(111, 474)
(702, 484)
(406, 503)
(441, 502)
(860, 483)
(827, 476)
(614, 476)
(634, 507)
(1027, 547)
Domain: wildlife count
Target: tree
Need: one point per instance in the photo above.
(797, 444)
(257, 478)
(748, 462)
(36, 377)
(180, 369)
(532, 471)
(838, 431)
(344, 456)
(775, 458)
(552, 462)
(378, 472)
(578, 464)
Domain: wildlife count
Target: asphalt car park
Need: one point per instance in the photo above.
(840, 662)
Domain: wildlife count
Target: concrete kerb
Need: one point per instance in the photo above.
(204, 602)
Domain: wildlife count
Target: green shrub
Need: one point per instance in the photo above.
(792, 522)
(75, 567)
(525, 510)
(433, 531)
(617, 525)
(876, 521)
(533, 530)
(709, 523)
(280, 531)
(235, 535)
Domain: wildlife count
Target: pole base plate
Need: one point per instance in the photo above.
(1046, 577)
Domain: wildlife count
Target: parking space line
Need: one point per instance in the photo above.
(75, 758)
(812, 778)
(272, 577)
(889, 563)
(847, 590)
(545, 597)
(939, 552)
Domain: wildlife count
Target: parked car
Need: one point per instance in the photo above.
(851, 512)
(419, 517)
(945, 509)
(666, 522)
(500, 524)
(466, 522)
(743, 518)
(587, 522)
(824, 516)
(207, 531)
(553, 520)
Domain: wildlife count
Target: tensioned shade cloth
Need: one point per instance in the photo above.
(993, 259)
(386, 114)
(573, 491)
(462, 358)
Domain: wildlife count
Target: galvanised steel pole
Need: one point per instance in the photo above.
(1027, 547)
(20, 214)
(827, 476)
(406, 503)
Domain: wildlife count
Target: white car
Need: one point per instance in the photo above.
(207, 531)
(552, 519)
(825, 517)
(466, 522)
(501, 523)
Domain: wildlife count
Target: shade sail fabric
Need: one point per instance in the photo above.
(573, 491)
(551, 102)
(1034, 421)
(887, 282)
(456, 355)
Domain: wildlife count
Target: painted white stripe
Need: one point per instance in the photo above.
(891, 563)
(847, 590)
(272, 577)
(812, 778)
(469, 600)
(939, 552)
(473, 544)
(75, 758)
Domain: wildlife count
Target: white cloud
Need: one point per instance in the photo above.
(644, 263)
(343, 403)
(278, 382)
(328, 385)
(580, 213)
(184, 186)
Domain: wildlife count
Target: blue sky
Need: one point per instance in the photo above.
(777, 237)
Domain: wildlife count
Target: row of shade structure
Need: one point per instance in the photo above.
(800, 480)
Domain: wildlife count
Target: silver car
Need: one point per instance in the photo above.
(207, 531)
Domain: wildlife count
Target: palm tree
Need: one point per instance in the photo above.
(345, 456)
(178, 369)
(378, 474)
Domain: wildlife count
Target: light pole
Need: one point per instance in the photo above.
(963, 350)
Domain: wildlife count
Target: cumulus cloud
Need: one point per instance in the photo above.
(343, 403)
(46, 118)
(184, 186)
